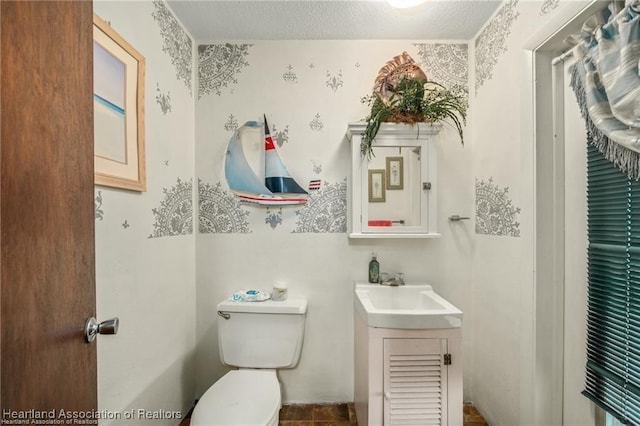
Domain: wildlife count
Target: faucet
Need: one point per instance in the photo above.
(394, 281)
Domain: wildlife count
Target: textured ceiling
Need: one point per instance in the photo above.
(211, 20)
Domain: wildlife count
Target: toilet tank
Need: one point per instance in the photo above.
(261, 334)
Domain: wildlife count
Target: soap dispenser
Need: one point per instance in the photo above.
(374, 270)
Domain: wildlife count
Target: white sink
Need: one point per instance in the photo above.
(407, 306)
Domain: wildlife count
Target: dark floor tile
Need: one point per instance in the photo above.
(339, 412)
(332, 423)
(352, 413)
(296, 412)
(296, 423)
(472, 416)
(186, 421)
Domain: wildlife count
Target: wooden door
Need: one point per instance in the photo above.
(47, 268)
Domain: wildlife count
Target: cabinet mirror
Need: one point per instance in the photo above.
(393, 191)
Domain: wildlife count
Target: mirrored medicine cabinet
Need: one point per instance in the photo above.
(394, 191)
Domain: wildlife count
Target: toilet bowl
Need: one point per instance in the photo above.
(240, 398)
(257, 338)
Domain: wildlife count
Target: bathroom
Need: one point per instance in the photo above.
(165, 257)
(184, 276)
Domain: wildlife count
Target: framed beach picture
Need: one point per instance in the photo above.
(118, 105)
(376, 186)
(395, 173)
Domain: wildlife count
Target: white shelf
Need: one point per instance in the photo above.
(379, 236)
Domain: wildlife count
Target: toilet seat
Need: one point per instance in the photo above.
(240, 398)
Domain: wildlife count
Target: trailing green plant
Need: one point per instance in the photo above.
(413, 100)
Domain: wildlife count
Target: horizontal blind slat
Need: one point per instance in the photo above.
(613, 326)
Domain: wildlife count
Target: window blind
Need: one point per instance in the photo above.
(613, 317)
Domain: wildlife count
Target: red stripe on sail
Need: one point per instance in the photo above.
(268, 143)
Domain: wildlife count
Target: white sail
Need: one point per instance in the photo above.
(246, 184)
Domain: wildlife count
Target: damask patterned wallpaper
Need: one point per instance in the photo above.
(219, 211)
(177, 42)
(174, 214)
(495, 212)
(447, 63)
(548, 6)
(326, 210)
(218, 66)
(492, 41)
(309, 92)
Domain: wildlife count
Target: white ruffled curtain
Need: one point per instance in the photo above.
(606, 81)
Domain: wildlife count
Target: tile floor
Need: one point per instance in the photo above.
(318, 415)
(340, 415)
(472, 416)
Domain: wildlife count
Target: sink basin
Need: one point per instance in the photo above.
(408, 306)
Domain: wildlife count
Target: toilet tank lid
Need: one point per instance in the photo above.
(290, 306)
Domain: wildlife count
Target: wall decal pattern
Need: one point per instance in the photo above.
(316, 124)
(548, 6)
(273, 218)
(334, 81)
(317, 167)
(446, 63)
(176, 42)
(232, 124)
(290, 76)
(218, 66)
(325, 211)
(280, 136)
(175, 214)
(163, 100)
(220, 212)
(492, 41)
(99, 214)
(495, 212)
(125, 224)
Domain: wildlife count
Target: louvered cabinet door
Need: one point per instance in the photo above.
(415, 382)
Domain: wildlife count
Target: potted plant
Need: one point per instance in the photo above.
(411, 98)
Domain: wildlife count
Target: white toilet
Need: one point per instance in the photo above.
(257, 337)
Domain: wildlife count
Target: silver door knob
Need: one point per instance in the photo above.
(93, 328)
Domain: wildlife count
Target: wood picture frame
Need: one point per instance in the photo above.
(376, 186)
(395, 173)
(118, 104)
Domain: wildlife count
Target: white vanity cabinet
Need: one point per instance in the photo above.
(408, 376)
(394, 192)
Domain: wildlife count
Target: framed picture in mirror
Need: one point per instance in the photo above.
(395, 173)
(376, 186)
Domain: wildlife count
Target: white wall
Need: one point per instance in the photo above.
(243, 250)
(149, 283)
(504, 372)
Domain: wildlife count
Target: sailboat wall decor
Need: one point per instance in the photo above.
(278, 187)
